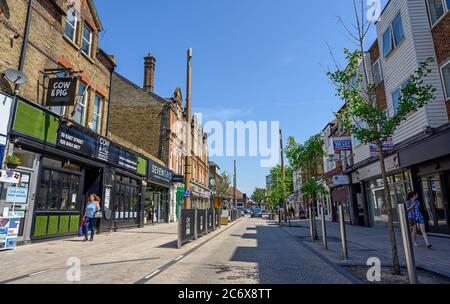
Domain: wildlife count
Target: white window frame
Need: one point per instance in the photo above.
(99, 115)
(74, 27)
(83, 104)
(377, 66)
(89, 42)
(392, 36)
(400, 89)
(444, 6)
(446, 94)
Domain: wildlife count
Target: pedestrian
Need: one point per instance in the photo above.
(92, 207)
(415, 218)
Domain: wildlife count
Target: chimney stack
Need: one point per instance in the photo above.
(149, 73)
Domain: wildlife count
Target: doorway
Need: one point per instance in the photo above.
(435, 203)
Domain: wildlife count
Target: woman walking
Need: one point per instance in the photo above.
(415, 218)
(92, 207)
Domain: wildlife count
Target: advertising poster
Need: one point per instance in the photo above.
(9, 230)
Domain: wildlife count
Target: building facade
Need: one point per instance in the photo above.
(62, 152)
(408, 32)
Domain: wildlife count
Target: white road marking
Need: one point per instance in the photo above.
(152, 274)
(39, 272)
(179, 258)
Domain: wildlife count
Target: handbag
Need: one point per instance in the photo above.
(81, 230)
(99, 214)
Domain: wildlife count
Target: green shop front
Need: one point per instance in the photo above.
(62, 163)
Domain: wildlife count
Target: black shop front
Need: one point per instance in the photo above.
(65, 163)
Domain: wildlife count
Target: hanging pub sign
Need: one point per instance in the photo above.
(342, 144)
(61, 92)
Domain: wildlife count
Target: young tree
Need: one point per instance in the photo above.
(222, 187)
(371, 124)
(309, 159)
(259, 195)
(281, 188)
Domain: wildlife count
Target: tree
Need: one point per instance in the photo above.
(309, 159)
(363, 116)
(259, 195)
(222, 187)
(281, 188)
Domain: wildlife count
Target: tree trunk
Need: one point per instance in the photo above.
(313, 223)
(388, 201)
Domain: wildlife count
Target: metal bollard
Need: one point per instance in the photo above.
(279, 217)
(324, 228)
(195, 224)
(180, 228)
(407, 244)
(343, 232)
(206, 221)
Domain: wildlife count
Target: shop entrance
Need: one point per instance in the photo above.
(59, 202)
(434, 189)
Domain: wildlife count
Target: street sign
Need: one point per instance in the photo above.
(187, 194)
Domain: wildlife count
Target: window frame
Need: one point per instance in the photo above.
(445, 7)
(99, 115)
(393, 44)
(89, 43)
(74, 27)
(83, 105)
(400, 89)
(445, 65)
(377, 66)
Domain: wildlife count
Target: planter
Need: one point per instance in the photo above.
(12, 166)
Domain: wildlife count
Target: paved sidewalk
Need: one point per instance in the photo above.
(364, 243)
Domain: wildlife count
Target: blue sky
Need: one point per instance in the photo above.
(261, 60)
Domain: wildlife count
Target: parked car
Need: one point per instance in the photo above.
(256, 212)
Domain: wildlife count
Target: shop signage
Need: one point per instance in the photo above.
(96, 147)
(342, 144)
(61, 92)
(341, 180)
(159, 173)
(9, 177)
(187, 194)
(387, 146)
(17, 195)
(177, 178)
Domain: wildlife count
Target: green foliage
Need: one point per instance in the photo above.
(313, 189)
(361, 114)
(259, 195)
(281, 188)
(222, 186)
(308, 157)
(13, 160)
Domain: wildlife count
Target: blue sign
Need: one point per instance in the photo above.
(342, 144)
(2, 154)
(187, 194)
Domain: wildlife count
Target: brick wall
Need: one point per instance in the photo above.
(441, 37)
(48, 48)
(136, 115)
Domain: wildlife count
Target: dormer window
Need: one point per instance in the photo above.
(71, 24)
(86, 45)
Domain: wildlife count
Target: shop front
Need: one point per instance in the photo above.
(368, 191)
(157, 193)
(430, 168)
(200, 196)
(61, 164)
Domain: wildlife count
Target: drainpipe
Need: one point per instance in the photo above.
(26, 33)
(109, 102)
(23, 52)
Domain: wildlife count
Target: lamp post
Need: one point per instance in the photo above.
(187, 187)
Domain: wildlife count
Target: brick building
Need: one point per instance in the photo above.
(157, 125)
(62, 151)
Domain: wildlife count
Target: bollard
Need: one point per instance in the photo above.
(343, 232)
(180, 228)
(279, 217)
(407, 244)
(195, 225)
(206, 221)
(324, 228)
